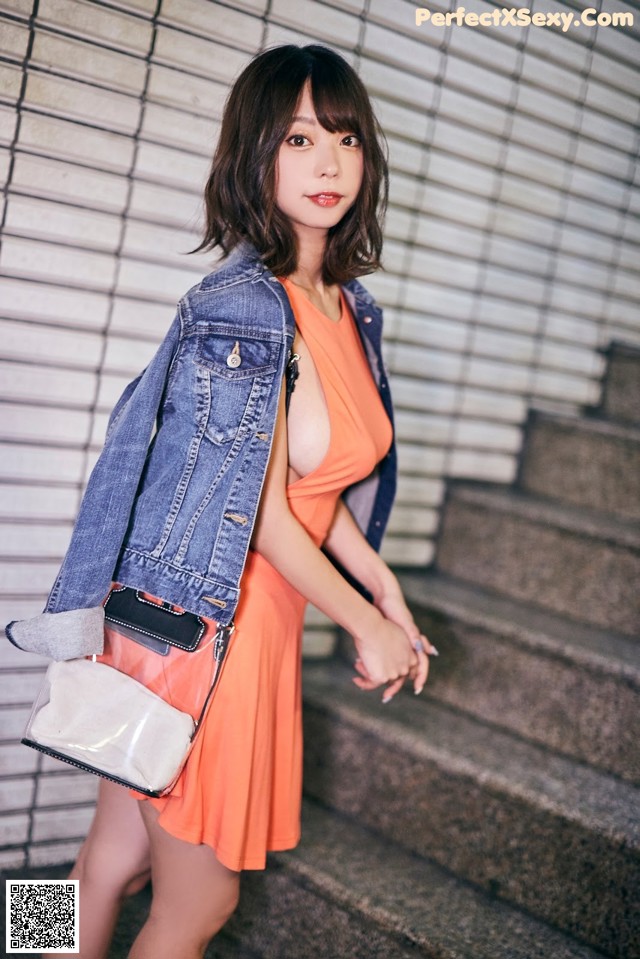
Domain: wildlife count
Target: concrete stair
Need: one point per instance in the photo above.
(584, 462)
(554, 837)
(565, 685)
(621, 384)
(348, 892)
(581, 564)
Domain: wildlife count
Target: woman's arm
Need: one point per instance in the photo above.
(348, 545)
(384, 649)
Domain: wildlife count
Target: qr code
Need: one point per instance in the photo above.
(42, 916)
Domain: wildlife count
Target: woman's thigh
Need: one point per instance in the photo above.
(192, 889)
(116, 851)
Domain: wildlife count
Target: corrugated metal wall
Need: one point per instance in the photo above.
(511, 257)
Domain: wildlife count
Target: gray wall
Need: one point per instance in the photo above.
(511, 258)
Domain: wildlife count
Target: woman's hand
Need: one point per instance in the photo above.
(385, 657)
(393, 607)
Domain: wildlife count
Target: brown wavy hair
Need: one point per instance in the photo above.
(240, 195)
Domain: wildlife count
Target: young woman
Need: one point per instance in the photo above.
(226, 512)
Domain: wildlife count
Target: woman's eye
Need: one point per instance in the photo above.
(351, 140)
(297, 140)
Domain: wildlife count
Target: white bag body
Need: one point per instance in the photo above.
(98, 718)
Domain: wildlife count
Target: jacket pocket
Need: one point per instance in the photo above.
(234, 376)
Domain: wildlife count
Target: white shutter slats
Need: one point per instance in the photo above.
(154, 242)
(42, 219)
(381, 78)
(460, 140)
(405, 51)
(413, 521)
(421, 458)
(23, 578)
(10, 82)
(65, 140)
(151, 280)
(471, 77)
(406, 361)
(328, 23)
(96, 22)
(482, 465)
(240, 29)
(79, 58)
(60, 180)
(49, 261)
(67, 822)
(470, 110)
(37, 424)
(166, 205)
(605, 128)
(407, 551)
(418, 427)
(41, 464)
(140, 317)
(82, 101)
(166, 125)
(38, 343)
(60, 503)
(26, 541)
(128, 355)
(16, 760)
(17, 7)
(495, 407)
(14, 826)
(168, 165)
(8, 121)
(623, 77)
(46, 385)
(196, 54)
(14, 38)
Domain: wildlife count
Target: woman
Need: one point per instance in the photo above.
(297, 186)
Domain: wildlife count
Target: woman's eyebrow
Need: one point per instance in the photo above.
(303, 120)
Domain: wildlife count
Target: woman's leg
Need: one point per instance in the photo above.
(193, 896)
(113, 862)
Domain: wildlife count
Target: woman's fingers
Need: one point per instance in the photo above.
(392, 689)
(422, 671)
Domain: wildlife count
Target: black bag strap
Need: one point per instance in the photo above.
(292, 373)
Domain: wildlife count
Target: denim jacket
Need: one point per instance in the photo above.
(171, 502)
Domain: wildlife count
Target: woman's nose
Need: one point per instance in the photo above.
(327, 163)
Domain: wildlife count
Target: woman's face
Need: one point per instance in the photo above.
(318, 174)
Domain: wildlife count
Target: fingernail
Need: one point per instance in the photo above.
(433, 651)
(386, 699)
(418, 691)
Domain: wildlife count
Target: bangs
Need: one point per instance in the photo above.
(336, 99)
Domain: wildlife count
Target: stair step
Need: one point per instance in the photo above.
(345, 893)
(541, 831)
(621, 387)
(576, 563)
(570, 687)
(582, 461)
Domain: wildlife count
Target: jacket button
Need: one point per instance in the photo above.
(234, 359)
(368, 319)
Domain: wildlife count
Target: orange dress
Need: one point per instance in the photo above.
(240, 791)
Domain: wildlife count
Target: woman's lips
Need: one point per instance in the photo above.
(325, 199)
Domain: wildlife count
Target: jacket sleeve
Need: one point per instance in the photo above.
(86, 572)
